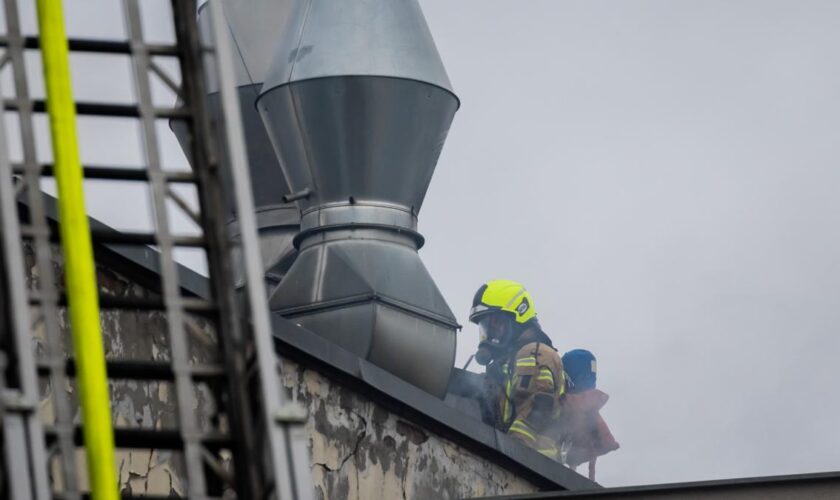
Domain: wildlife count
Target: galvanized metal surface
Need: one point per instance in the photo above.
(287, 470)
(368, 291)
(278, 221)
(342, 214)
(25, 460)
(269, 183)
(361, 262)
(251, 33)
(254, 32)
(372, 139)
(277, 228)
(365, 148)
(326, 38)
(357, 105)
(46, 313)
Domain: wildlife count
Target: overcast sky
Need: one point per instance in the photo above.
(663, 176)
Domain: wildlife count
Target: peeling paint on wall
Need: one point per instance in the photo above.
(362, 451)
(359, 450)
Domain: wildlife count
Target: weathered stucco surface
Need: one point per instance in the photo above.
(361, 451)
(358, 449)
(129, 335)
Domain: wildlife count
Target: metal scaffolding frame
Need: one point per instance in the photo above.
(44, 294)
(263, 430)
(24, 456)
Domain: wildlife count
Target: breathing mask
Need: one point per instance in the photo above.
(496, 331)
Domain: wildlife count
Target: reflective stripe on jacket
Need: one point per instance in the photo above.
(534, 382)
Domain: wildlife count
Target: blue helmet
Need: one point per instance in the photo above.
(581, 370)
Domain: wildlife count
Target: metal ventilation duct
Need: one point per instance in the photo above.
(357, 104)
(253, 30)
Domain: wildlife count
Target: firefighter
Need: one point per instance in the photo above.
(524, 374)
(585, 432)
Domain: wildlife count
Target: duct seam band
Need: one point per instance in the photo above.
(416, 237)
(366, 213)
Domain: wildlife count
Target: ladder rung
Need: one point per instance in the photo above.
(155, 304)
(99, 46)
(166, 439)
(188, 304)
(102, 109)
(139, 238)
(112, 237)
(14, 401)
(115, 173)
(142, 370)
(30, 231)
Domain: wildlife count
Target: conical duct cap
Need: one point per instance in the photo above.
(323, 38)
(357, 102)
(358, 105)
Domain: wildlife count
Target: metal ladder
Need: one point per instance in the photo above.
(258, 428)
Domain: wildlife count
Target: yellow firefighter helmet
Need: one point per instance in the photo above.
(503, 295)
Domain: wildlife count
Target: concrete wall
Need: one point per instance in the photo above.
(359, 450)
(136, 404)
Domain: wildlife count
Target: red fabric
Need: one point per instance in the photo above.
(587, 401)
(586, 430)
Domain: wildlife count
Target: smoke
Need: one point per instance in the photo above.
(662, 177)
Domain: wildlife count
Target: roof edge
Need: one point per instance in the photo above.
(349, 370)
(404, 399)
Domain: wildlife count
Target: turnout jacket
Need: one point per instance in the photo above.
(526, 388)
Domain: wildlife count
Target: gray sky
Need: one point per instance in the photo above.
(663, 177)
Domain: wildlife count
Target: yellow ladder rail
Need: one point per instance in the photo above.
(80, 272)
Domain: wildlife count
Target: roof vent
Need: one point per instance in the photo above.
(358, 105)
(252, 29)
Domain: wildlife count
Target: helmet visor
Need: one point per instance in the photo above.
(494, 329)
